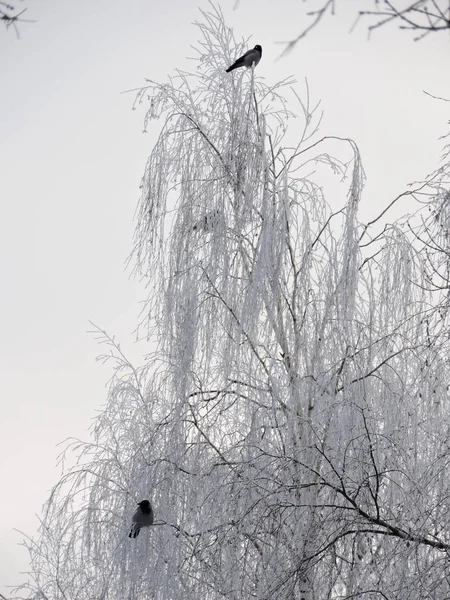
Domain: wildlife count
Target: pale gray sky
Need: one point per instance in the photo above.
(72, 154)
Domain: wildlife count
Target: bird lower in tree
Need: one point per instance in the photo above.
(143, 517)
(250, 59)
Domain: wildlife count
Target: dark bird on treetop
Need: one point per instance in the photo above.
(143, 517)
(249, 59)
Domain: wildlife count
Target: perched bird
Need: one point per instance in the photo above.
(143, 517)
(249, 59)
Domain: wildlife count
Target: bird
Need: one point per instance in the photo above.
(249, 59)
(143, 517)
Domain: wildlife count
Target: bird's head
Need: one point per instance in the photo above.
(145, 506)
(258, 47)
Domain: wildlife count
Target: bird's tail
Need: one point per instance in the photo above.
(134, 532)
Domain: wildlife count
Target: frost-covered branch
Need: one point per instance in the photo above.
(421, 16)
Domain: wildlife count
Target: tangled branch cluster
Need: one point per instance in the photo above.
(421, 17)
(11, 15)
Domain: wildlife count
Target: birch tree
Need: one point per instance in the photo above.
(291, 422)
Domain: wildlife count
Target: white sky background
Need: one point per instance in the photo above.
(71, 158)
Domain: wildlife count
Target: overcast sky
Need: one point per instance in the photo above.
(71, 156)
